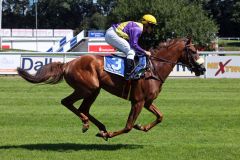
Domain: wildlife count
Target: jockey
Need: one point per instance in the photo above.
(124, 36)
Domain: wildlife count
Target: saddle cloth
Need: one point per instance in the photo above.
(116, 65)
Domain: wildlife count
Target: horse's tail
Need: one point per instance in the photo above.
(51, 73)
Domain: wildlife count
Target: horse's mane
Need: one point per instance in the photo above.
(168, 44)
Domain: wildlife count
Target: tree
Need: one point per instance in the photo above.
(74, 14)
(225, 13)
(15, 13)
(58, 14)
(106, 6)
(177, 18)
(236, 13)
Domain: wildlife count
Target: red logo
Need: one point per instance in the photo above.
(222, 67)
(5, 47)
(101, 48)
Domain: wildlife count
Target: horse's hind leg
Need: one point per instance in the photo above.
(135, 110)
(84, 109)
(70, 100)
(159, 116)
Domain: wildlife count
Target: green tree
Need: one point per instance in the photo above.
(225, 13)
(177, 18)
(74, 14)
(97, 21)
(15, 13)
(236, 13)
(58, 14)
(106, 6)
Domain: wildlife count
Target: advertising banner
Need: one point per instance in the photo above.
(32, 64)
(181, 71)
(5, 46)
(22, 32)
(9, 64)
(43, 32)
(101, 48)
(5, 32)
(96, 34)
(223, 67)
(62, 32)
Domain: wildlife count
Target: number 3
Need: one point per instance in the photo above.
(117, 64)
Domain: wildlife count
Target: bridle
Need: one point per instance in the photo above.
(187, 53)
(193, 65)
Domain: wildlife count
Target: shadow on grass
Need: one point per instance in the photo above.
(61, 147)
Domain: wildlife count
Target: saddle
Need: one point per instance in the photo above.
(143, 67)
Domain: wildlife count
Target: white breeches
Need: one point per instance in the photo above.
(118, 42)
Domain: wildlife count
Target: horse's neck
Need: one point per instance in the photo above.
(167, 54)
(167, 60)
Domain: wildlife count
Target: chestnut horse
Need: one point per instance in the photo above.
(86, 76)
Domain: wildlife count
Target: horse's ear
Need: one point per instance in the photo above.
(189, 40)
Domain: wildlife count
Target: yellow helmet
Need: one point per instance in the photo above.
(148, 18)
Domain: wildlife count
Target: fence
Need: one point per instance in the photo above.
(227, 66)
(229, 38)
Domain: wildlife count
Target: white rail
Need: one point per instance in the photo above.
(82, 53)
(218, 52)
(59, 53)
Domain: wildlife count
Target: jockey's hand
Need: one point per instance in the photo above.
(148, 53)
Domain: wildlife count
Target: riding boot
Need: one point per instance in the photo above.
(129, 67)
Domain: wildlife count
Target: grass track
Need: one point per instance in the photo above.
(230, 45)
(201, 121)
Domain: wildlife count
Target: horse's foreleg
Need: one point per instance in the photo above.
(69, 101)
(153, 109)
(85, 108)
(135, 110)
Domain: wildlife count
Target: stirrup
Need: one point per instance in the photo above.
(130, 66)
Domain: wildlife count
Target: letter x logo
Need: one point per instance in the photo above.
(221, 65)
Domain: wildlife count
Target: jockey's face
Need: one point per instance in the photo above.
(148, 28)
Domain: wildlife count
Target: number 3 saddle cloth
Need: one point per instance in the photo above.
(116, 65)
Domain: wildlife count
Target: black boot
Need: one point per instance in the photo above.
(129, 67)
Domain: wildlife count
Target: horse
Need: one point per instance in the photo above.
(86, 76)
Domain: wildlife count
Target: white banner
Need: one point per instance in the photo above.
(9, 63)
(5, 32)
(62, 32)
(43, 32)
(223, 67)
(22, 32)
(180, 71)
(32, 64)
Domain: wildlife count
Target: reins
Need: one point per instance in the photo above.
(166, 61)
(162, 60)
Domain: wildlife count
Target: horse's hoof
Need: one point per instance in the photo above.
(85, 128)
(105, 138)
(103, 135)
(98, 135)
(138, 126)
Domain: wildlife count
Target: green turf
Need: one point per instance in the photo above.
(201, 122)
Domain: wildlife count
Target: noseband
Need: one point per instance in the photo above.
(189, 54)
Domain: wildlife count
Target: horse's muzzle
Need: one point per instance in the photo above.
(199, 70)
